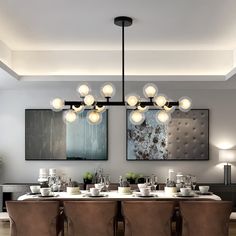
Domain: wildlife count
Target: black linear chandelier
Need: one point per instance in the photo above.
(163, 105)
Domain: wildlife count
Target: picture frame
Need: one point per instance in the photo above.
(185, 138)
(48, 137)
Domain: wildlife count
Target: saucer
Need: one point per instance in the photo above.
(181, 195)
(100, 195)
(50, 195)
(30, 193)
(145, 196)
(200, 193)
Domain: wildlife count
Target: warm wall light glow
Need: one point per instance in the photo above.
(57, 104)
(136, 117)
(108, 90)
(83, 90)
(94, 117)
(89, 100)
(150, 90)
(132, 100)
(70, 116)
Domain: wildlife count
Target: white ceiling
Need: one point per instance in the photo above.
(168, 37)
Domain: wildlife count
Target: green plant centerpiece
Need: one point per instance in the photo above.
(141, 179)
(124, 187)
(73, 188)
(170, 187)
(88, 178)
(131, 177)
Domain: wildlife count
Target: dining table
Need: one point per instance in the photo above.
(115, 195)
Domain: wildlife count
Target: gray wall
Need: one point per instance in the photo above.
(218, 97)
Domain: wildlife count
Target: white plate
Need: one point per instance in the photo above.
(181, 195)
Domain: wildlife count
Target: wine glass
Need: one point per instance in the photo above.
(194, 181)
(154, 182)
(107, 182)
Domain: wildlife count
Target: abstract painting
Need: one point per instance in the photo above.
(48, 137)
(186, 137)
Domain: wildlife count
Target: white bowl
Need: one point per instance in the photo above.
(204, 188)
(35, 188)
(73, 190)
(45, 191)
(185, 191)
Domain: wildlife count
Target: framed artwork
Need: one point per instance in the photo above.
(186, 137)
(48, 137)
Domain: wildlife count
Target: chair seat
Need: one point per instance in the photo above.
(4, 216)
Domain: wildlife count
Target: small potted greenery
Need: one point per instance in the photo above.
(73, 188)
(141, 179)
(131, 177)
(88, 178)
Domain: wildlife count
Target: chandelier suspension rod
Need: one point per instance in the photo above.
(123, 61)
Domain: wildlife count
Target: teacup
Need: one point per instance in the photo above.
(45, 191)
(185, 191)
(35, 188)
(204, 189)
(94, 191)
(145, 191)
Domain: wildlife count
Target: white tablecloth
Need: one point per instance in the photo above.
(114, 195)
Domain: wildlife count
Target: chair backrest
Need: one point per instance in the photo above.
(147, 218)
(33, 218)
(87, 218)
(203, 218)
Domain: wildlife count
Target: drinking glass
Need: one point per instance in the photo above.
(154, 182)
(107, 182)
(194, 181)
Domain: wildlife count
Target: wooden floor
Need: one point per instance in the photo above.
(5, 229)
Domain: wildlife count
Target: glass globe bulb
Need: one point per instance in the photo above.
(132, 100)
(94, 117)
(163, 117)
(78, 109)
(143, 109)
(150, 90)
(70, 116)
(185, 104)
(100, 109)
(160, 100)
(169, 109)
(108, 90)
(83, 90)
(136, 117)
(89, 100)
(57, 104)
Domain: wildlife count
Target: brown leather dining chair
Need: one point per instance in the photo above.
(91, 218)
(147, 218)
(34, 218)
(205, 218)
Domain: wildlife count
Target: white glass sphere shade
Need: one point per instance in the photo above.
(137, 117)
(169, 109)
(100, 109)
(57, 104)
(89, 100)
(83, 90)
(108, 90)
(78, 109)
(70, 116)
(185, 104)
(143, 109)
(132, 100)
(160, 100)
(94, 117)
(163, 117)
(150, 90)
